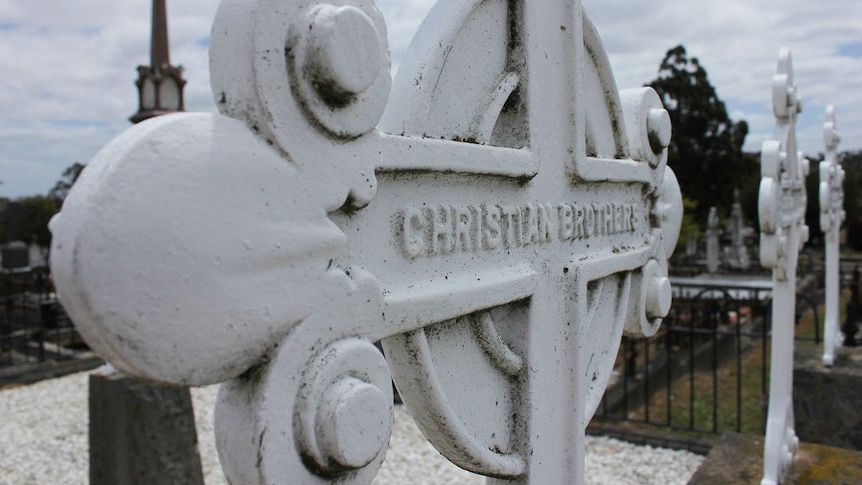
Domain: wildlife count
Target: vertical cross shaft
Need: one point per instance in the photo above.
(553, 66)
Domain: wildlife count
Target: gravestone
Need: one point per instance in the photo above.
(831, 195)
(141, 432)
(498, 216)
(739, 253)
(14, 253)
(827, 401)
(13, 215)
(781, 209)
(712, 246)
(15, 256)
(734, 460)
(691, 245)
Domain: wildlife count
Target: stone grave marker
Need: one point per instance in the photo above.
(739, 252)
(498, 216)
(831, 198)
(691, 244)
(713, 228)
(781, 207)
(15, 254)
(141, 432)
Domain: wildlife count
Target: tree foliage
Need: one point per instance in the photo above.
(36, 212)
(26, 218)
(70, 175)
(852, 163)
(706, 148)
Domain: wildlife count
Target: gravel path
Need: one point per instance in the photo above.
(43, 440)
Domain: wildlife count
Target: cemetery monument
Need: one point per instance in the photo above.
(713, 229)
(831, 198)
(738, 251)
(781, 209)
(497, 216)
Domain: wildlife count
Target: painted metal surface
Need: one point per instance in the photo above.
(781, 206)
(498, 216)
(831, 198)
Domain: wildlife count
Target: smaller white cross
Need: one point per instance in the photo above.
(831, 195)
(781, 205)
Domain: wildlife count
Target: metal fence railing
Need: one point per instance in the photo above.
(34, 328)
(707, 369)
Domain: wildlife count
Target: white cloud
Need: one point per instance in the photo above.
(737, 42)
(68, 68)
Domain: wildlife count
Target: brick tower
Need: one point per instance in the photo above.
(160, 85)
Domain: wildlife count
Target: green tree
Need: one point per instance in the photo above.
(29, 216)
(70, 175)
(4, 216)
(36, 211)
(706, 148)
(852, 163)
(749, 188)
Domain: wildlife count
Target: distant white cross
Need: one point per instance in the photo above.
(781, 206)
(831, 195)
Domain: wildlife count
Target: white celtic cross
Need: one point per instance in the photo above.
(831, 195)
(781, 206)
(498, 221)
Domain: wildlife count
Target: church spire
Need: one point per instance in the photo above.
(159, 52)
(160, 85)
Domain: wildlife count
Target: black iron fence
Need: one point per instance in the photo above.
(707, 369)
(34, 328)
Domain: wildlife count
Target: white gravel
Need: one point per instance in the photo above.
(43, 440)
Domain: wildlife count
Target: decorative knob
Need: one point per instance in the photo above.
(769, 204)
(772, 159)
(344, 416)
(668, 210)
(769, 251)
(659, 129)
(352, 421)
(343, 53)
(654, 303)
(647, 126)
(338, 61)
(658, 297)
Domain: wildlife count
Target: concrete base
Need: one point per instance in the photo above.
(738, 459)
(141, 433)
(827, 401)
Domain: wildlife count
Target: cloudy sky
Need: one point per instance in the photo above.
(67, 67)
